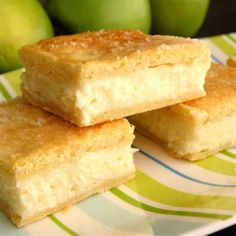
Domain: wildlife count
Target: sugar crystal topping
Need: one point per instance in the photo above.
(95, 45)
(106, 45)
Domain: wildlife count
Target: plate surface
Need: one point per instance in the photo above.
(168, 196)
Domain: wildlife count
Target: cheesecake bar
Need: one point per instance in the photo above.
(195, 129)
(47, 164)
(93, 77)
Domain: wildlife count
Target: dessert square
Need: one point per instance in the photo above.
(93, 77)
(195, 129)
(47, 163)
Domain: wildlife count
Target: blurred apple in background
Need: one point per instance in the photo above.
(25, 21)
(91, 15)
(21, 22)
(178, 17)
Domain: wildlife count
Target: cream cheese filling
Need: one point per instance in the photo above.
(156, 84)
(184, 138)
(208, 137)
(94, 97)
(31, 195)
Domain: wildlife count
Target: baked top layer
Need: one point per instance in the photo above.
(108, 50)
(105, 44)
(220, 101)
(32, 139)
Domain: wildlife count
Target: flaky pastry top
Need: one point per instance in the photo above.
(94, 54)
(32, 139)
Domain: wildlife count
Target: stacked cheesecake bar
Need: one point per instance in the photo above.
(198, 128)
(72, 141)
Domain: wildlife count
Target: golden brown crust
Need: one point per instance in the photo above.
(231, 61)
(105, 44)
(102, 52)
(106, 185)
(29, 134)
(220, 100)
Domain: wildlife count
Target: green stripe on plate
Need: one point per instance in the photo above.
(228, 153)
(231, 38)
(4, 92)
(62, 226)
(155, 191)
(153, 209)
(221, 43)
(218, 165)
(13, 78)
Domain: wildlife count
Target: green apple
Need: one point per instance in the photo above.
(178, 17)
(91, 15)
(21, 22)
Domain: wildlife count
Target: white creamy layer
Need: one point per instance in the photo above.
(156, 84)
(209, 137)
(52, 187)
(184, 138)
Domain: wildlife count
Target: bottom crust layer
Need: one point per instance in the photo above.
(191, 156)
(194, 156)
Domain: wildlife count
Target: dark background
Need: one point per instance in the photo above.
(220, 19)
